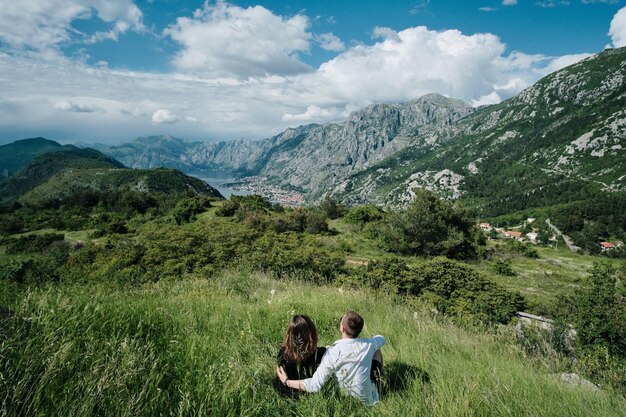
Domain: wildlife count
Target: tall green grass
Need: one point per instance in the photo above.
(206, 347)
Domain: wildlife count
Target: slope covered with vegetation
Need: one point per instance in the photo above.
(207, 347)
(41, 168)
(182, 312)
(16, 155)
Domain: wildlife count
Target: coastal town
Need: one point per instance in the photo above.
(257, 185)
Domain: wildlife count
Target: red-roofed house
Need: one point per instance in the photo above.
(514, 235)
(485, 226)
(606, 246)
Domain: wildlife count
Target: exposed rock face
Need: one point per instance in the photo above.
(570, 126)
(311, 158)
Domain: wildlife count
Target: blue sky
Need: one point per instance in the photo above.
(112, 70)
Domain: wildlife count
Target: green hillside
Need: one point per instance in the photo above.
(162, 180)
(207, 347)
(558, 141)
(555, 150)
(58, 174)
(15, 156)
(48, 164)
(183, 315)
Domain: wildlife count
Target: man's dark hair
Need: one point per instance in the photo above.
(352, 324)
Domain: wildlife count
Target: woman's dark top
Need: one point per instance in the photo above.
(298, 370)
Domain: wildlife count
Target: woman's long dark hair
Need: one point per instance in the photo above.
(300, 339)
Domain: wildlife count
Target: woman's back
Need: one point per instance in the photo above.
(298, 370)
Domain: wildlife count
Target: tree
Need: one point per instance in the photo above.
(187, 209)
(598, 312)
(432, 227)
(332, 209)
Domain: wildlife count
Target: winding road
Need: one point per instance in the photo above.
(566, 238)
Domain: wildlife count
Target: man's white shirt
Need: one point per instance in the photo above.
(350, 362)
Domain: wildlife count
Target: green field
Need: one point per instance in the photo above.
(180, 319)
(207, 346)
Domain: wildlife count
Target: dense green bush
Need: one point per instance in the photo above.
(33, 243)
(332, 208)
(361, 215)
(502, 266)
(432, 227)
(598, 312)
(187, 209)
(35, 269)
(296, 255)
(250, 202)
(459, 290)
(390, 274)
(454, 288)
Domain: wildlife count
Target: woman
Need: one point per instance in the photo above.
(299, 355)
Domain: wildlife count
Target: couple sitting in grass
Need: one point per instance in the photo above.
(355, 363)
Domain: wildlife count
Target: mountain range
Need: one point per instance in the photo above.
(567, 131)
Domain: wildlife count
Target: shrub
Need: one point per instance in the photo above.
(187, 209)
(432, 227)
(31, 270)
(250, 202)
(315, 221)
(390, 274)
(332, 208)
(33, 243)
(294, 254)
(228, 208)
(598, 312)
(502, 266)
(460, 290)
(10, 224)
(360, 215)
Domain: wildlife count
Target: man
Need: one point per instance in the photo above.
(353, 361)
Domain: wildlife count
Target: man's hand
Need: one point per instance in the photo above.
(281, 374)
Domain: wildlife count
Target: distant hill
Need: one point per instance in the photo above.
(153, 152)
(56, 174)
(14, 156)
(159, 180)
(43, 167)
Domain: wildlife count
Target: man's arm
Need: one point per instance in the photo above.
(379, 341)
(312, 384)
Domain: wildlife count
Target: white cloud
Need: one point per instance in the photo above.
(419, 6)
(509, 2)
(224, 40)
(552, 3)
(487, 9)
(330, 42)
(491, 98)
(43, 25)
(617, 30)
(396, 67)
(385, 34)
(315, 113)
(76, 107)
(163, 116)
(416, 61)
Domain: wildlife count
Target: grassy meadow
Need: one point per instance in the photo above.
(207, 347)
(179, 320)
